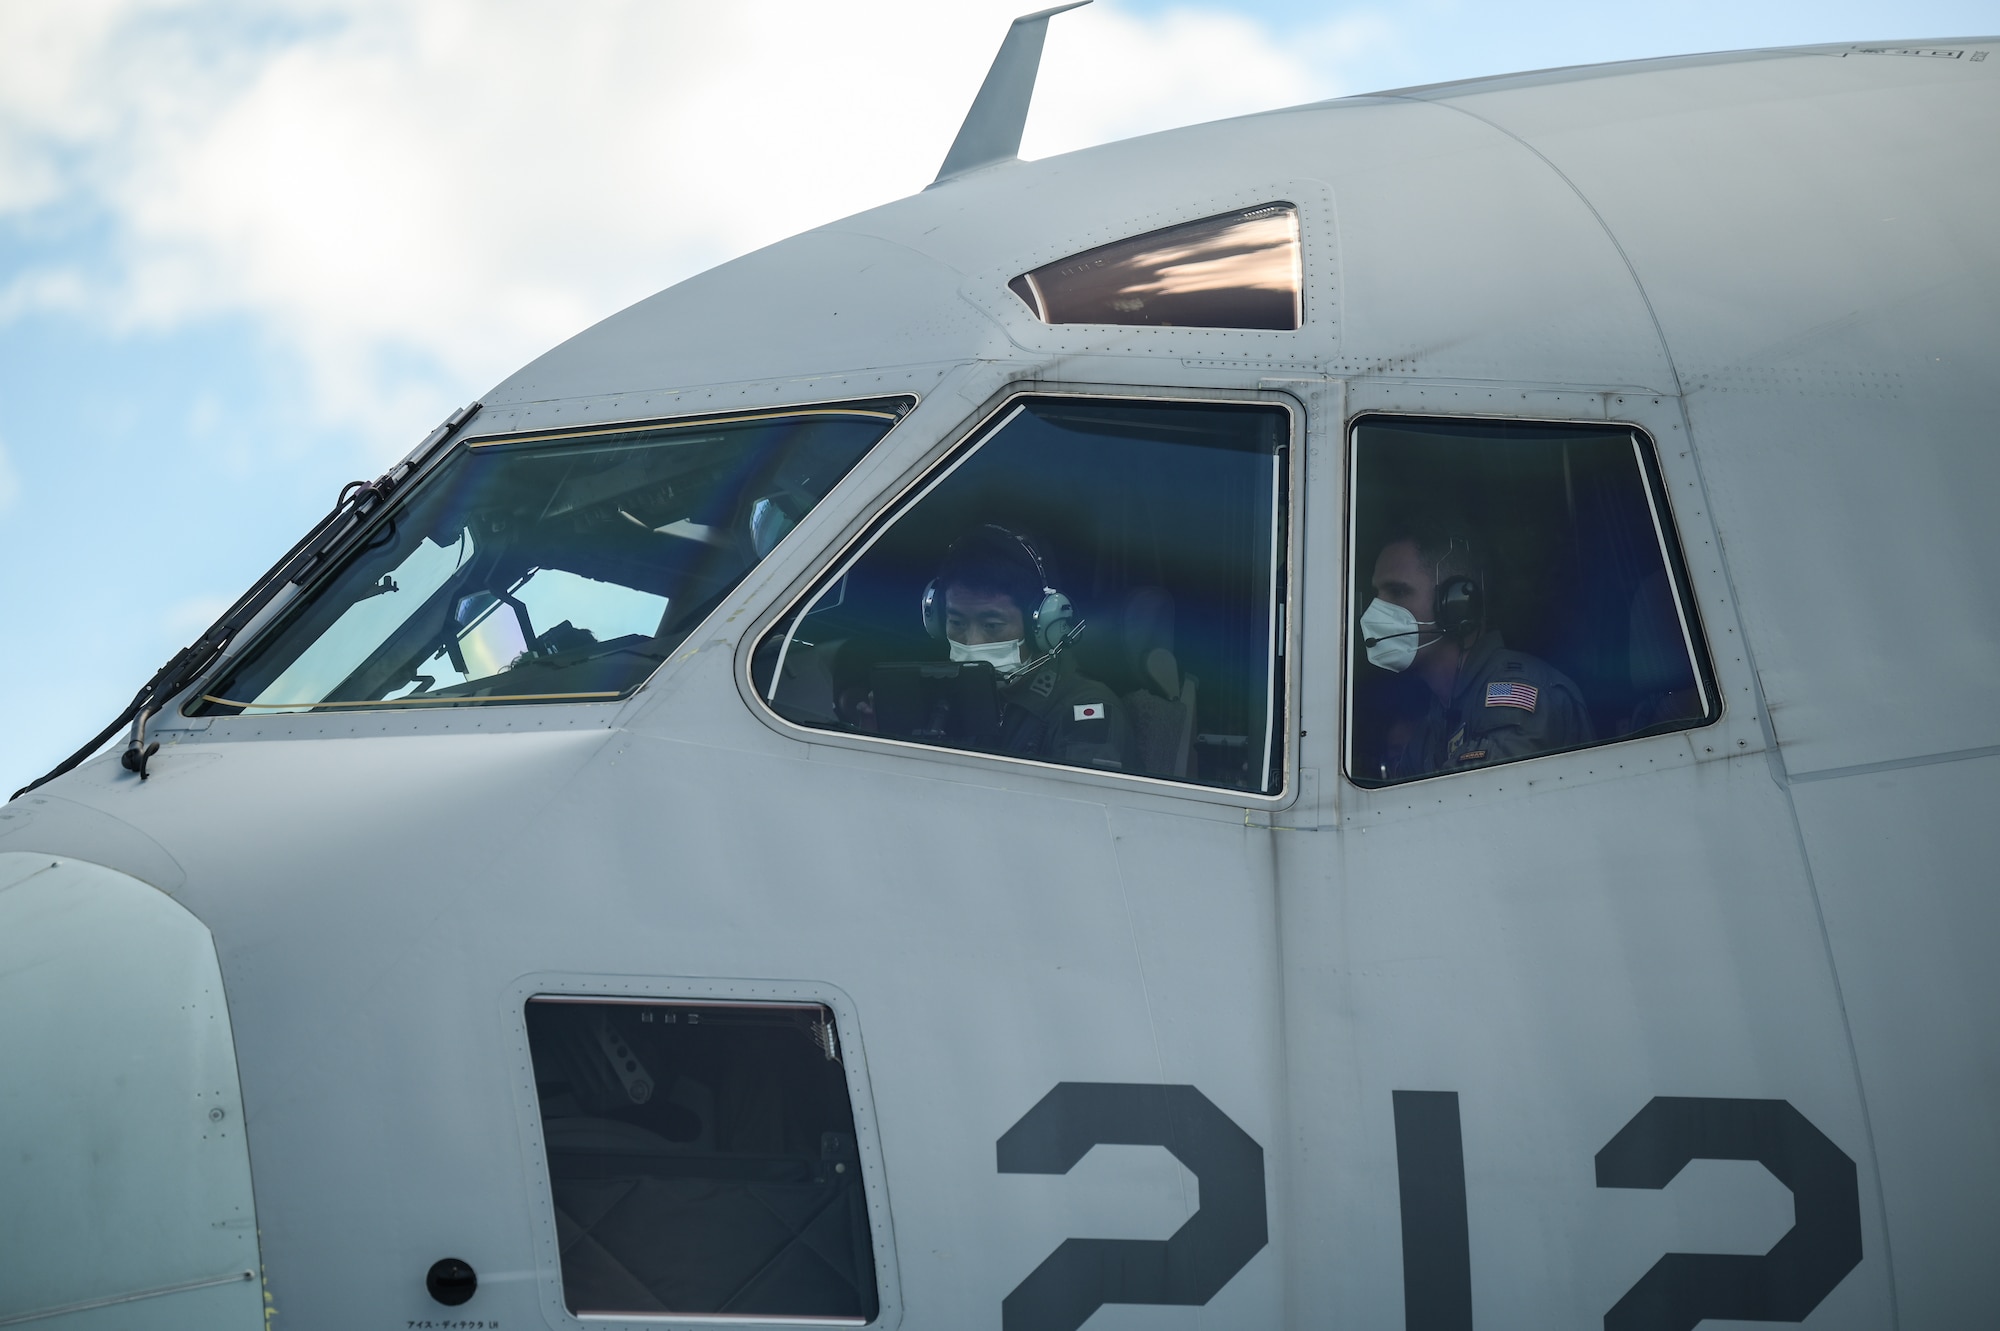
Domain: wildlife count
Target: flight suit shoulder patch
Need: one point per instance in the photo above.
(1513, 693)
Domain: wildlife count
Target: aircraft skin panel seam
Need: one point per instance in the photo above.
(1053, 344)
(1559, 74)
(1774, 754)
(964, 278)
(504, 418)
(1894, 764)
(27, 878)
(1776, 760)
(1638, 287)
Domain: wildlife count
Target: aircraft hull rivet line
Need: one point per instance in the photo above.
(113, 1300)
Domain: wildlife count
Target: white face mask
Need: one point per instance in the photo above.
(1392, 635)
(1004, 657)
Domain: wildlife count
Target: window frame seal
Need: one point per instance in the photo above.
(600, 988)
(936, 464)
(1659, 504)
(1038, 307)
(196, 691)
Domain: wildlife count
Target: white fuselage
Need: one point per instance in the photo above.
(1780, 267)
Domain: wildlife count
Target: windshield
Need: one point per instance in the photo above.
(550, 568)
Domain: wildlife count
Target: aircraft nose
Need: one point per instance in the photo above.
(123, 1164)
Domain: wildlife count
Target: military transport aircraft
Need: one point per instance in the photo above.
(1382, 714)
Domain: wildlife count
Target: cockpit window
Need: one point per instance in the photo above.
(1239, 270)
(549, 568)
(702, 1160)
(1090, 582)
(1520, 592)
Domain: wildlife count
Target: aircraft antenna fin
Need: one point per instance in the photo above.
(992, 129)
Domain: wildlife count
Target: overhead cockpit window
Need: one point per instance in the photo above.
(1239, 270)
(702, 1160)
(550, 568)
(1094, 583)
(1520, 591)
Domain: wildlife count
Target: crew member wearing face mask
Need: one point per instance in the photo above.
(1487, 703)
(998, 607)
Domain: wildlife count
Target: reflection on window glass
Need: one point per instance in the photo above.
(1094, 583)
(549, 568)
(365, 619)
(1240, 270)
(1520, 586)
(701, 1159)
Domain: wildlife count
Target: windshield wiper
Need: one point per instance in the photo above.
(358, 502)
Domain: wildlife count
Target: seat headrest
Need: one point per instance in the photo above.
(1147, 626)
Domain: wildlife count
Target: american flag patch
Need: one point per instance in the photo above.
(1512, 695)
(1090, 711)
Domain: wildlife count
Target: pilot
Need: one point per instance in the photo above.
(992, 601)
(1485, 702)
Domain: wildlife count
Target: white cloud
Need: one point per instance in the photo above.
(47, 288)
(1108, 75)
(418, 198)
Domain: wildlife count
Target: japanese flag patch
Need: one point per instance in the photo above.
(1514, 694)
(1088, 711)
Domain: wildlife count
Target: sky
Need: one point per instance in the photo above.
(253, 249)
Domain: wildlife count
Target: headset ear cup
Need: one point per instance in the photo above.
(1046, 624)
(1051, 621)
(933, 610)
(1460, 605)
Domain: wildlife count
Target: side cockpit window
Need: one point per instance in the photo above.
(702, 1160)
(1092, 583)
(1520, 591)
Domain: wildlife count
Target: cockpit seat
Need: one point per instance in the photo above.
(1161, 709)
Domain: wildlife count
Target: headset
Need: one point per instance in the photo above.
(1458, 602)
(1458, 606)
(1049, 624)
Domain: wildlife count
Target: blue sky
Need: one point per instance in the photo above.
(249, 252)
